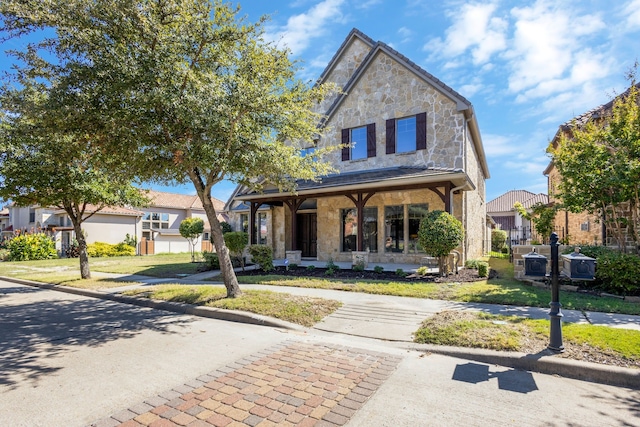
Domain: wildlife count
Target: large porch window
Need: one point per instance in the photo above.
(401, 221)
(416, 213)
(394, 228)
(350, 229)
(262, 228)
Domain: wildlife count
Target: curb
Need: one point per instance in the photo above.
(201, 311)
(543, 362)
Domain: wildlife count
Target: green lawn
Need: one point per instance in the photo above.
(304, 311)
(600, 344)
(161, 265)
(502, 290)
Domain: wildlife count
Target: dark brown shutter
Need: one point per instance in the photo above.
(371, 140)
(346, 150)
(391, 136)
(421, 131)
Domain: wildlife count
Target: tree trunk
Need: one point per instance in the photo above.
(226, 267)
(85, 273)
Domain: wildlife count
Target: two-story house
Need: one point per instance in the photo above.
(414, 147)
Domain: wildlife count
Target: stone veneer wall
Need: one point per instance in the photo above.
(344, 68)
(329, 225)
(389, 90)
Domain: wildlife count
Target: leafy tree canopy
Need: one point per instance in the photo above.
(599, 164)
(178, 90)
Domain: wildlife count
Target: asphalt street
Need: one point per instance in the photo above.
(68, 360)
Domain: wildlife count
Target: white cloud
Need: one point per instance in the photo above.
(406, 34)
(474, 29)
(499, 145)
(548, 47)
(632, 13)
(302, 28)
(367, 4)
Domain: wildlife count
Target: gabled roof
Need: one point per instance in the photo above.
(355, 33)
(180, 201)
(462, 103)
(107, 210)
(505, 202)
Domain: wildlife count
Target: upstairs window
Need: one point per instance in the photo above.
(359, 142)
(406, 134)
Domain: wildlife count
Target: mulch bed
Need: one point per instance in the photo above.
(464, 275)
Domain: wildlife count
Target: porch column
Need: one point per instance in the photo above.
(294, 205)
(252, 222)
(447, 197)
(360, 203)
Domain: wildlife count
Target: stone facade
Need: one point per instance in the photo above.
(574, 228)
(379, 85)
(376, 97)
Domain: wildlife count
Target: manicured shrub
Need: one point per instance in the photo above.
(619, 273)
(422, 270)
(236, 241)
(211, 260)
(101, 249)
(441, 232)
(263, 256)
(26, 247)
(378, 269)
(358, 266)
(472, 263)
(401, 273)
(483, 269)
(311, 267)
(498, 239)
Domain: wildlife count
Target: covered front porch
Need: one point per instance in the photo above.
(372, 212)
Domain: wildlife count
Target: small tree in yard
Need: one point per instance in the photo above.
(191, 229)
(236, 241)
(440, 233)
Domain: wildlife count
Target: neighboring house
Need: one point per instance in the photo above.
(156, 227)
(416, 148)
(578, 228)
(4, 219)
(508, 219)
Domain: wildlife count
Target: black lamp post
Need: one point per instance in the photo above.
(555, 341)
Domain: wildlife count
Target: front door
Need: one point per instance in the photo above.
(308, 234)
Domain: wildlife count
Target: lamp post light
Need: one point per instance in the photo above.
(555, 336)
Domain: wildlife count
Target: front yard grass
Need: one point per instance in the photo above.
(305, 311)
(502, 290)
(160, 266)
(599, 344)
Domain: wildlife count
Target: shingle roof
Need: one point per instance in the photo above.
(180, 201)
(505, 202)
(594, 113)
(368, 176)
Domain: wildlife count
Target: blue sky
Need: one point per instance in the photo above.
(527, 66)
